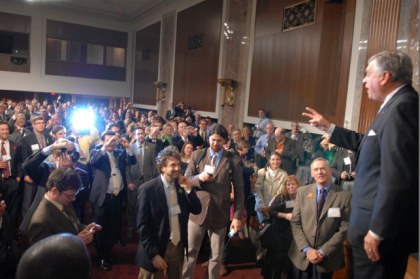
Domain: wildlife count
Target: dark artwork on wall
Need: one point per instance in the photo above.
(299, 15)
(195, 41)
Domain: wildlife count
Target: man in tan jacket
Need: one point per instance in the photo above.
(319, 225)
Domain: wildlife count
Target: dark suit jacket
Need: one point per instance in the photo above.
(215, 195)
(40, 170)
(48, 220)
(17, 136)
(170, 114)
(25, 149)
(102, 173)
(153, 222)
(35, 167)
(327, 233)
(289, 154)
(159, 144)
(149, 164)
(338, 165)
(178, 142)
(205, 140)
(386, 187)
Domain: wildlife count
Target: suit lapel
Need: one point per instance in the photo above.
(161, 196)
(312, 199)
(332, 195)
(12, 150)
(221, 163)
(372, 126)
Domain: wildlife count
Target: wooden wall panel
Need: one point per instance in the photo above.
(146, 65)
(383, 34)
(15, 23)
(308, 66)
(195, 74)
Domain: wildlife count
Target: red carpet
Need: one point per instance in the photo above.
(124, 266)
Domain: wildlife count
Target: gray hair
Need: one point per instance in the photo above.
(320, 159)
(397, 63)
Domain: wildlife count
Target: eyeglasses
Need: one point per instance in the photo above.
(72, 195)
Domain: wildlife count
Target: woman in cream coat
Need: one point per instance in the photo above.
(269, 181)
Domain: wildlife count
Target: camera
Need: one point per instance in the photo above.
(74, 154)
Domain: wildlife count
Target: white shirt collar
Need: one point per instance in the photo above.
(389, 96)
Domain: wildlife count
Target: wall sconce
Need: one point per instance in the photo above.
(229, 91)
(160, 91)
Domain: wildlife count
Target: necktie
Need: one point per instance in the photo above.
(6, 171)
(114, 177)
(140, 161)
(213, 160)
(70, 217)
(203, 135)
(41, 142)
(321, 201)
(176, 236)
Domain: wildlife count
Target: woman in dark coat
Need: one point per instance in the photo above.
(278, 238)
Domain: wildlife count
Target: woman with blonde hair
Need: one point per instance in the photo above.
(279, 235)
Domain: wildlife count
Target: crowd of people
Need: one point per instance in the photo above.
(174, 179)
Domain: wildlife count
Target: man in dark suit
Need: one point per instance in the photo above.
(3, 116)
(17, 127)
(152, 138)
(203, 132)
(170, 113)
(319, 224)
(8, 172)
(285, 147)
(383, 227)
(55, 214)
(29, 145)
(139, 173)
(65, 156)
(186, 134)
(343, 165)
(213, 171)
(109, 190)
(299, 136)
(164, 204)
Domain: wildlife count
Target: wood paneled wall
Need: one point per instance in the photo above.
(383, 34)
(146, 64)
(195, 73)
(308, 66)
(15, 23)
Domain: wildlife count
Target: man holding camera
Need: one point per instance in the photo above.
(55, 214)
(212, 171)
(65, 156)
(109, 189)
(186, 134)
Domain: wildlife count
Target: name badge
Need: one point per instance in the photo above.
(35, 147)
(334, 212)
(209, 169)
(290, 204)
(175, 210)
(6, 158)
(347, 161)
